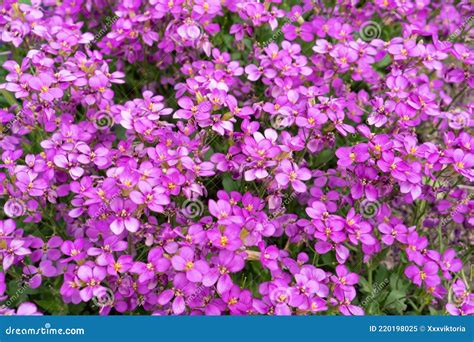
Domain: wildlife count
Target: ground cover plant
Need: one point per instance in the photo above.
(207, 157)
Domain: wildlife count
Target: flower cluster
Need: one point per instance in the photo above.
(172, 164)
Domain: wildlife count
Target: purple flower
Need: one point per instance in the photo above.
(223, 211)
(30, 183)
(14, 31)
(227, 262)
(349, 155)
(43, 83)
(392, 233)
(111, 244)
(154, 197)
(345, 279)
(14, 250)
(228, 239)
(69, 162)
(203, 182)
(238, 301)
(291, 173)
(27, 309)
(415, 245)
(45, 268)
(181, 288)
(157, 263)
(428, 275)
(184, 261)
(123, 216)
(91, 277)
(447, 261)
(75, 250)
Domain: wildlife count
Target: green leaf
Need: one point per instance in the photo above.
(381, 276)
(398, 282)
(9, 98)
(324, 157)
(396, 301)
(53, 305)
(384, 62)
(120, 132)
(230, 184)
(364, 284)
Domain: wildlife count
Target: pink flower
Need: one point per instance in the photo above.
(428, 275)
(184, 261)
(291, 173)
(123, 216)
(42, 83)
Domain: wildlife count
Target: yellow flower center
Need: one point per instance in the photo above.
(224, 241)
(293, 176)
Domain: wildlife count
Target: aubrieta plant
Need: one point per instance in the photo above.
(236, 157)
